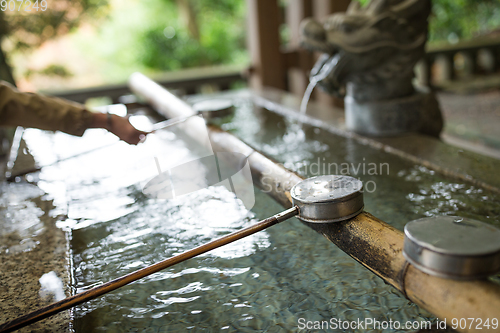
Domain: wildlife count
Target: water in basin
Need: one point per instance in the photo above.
(267, 282)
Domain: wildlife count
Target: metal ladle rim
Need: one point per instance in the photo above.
(339, 219)
(337, 207)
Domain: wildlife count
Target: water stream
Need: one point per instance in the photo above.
(307, 96)
(321, 74)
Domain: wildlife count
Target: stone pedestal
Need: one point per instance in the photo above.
(418, 112)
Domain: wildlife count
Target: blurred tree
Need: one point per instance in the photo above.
(29, 29)
(462, 19)
(188, 15)
(208, 33)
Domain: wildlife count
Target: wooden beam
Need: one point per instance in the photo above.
(186, 80)
(268, 68)
(322, 9)
(298, 74)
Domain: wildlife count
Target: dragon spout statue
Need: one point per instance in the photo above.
(370, 53)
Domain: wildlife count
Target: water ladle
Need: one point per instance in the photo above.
(453, 247)
(209, 109)
(321, 199)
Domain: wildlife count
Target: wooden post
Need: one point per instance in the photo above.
(470, 63)
(268, 68)
(298, 74)
(447, 63)
(427, 63)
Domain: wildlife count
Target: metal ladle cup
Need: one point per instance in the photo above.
(453, 247)
(326, 199)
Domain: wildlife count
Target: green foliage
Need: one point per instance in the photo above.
(56, 70)
(363, 2)
(151, 36)
(168, 46)
(461, 19)
(164, 53)
(29, 29)
(51, 70)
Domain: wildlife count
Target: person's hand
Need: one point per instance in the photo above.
(122, 128)
(119, 126)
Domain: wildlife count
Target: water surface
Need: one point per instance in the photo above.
(265, 282)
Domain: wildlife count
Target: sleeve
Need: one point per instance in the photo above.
(47, 113)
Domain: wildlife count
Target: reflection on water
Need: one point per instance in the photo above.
(398, 191)
(22, 218)
(264, 282)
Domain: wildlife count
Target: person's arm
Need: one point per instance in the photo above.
(55, 114)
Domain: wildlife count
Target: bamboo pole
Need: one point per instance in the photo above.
(95, 292)
(372, 242)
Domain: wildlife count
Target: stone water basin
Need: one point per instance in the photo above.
(275, 280)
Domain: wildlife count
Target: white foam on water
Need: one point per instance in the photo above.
(52, 287)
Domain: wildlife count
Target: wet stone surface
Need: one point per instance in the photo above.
(30, 246)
